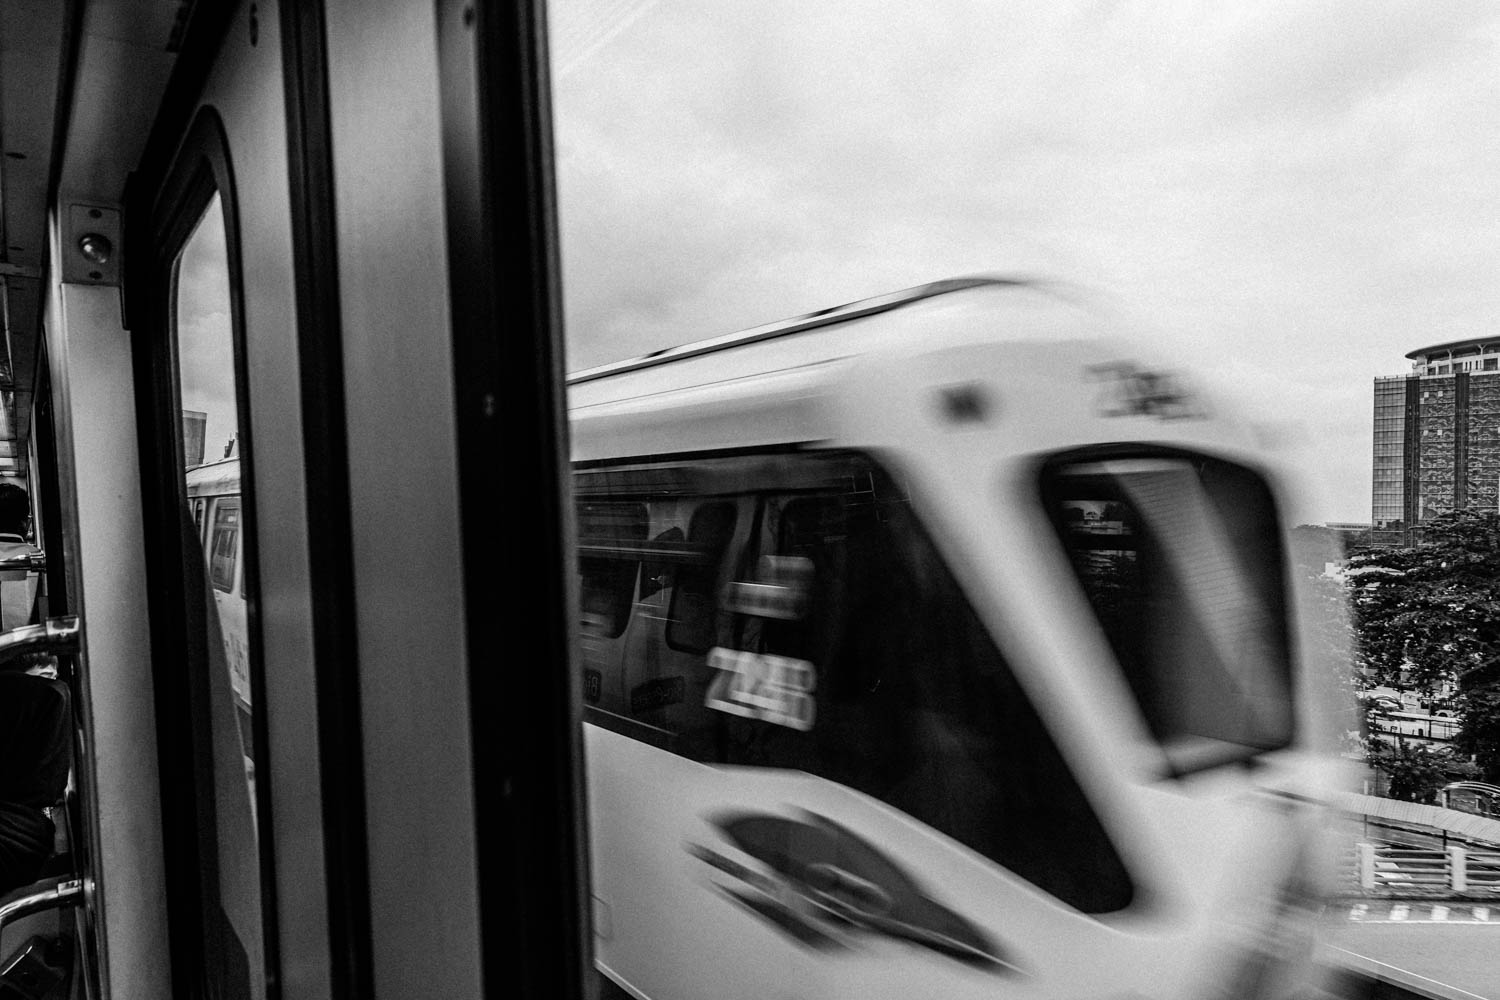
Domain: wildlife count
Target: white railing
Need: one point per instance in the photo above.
(1452, 869)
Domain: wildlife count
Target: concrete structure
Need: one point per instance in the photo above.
(1437, 437)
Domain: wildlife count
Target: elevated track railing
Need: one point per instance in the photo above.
(1451, 825)
(1454, 870)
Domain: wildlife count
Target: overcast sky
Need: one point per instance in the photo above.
(1290, 195)
(205, 342)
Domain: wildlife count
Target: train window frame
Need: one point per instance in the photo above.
(622, 593)
(793, 478)
(505, 301)
(726, 549)
(171, 212)
(1184, 754)
(229, 581)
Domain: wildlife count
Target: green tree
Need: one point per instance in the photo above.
(1414, 772)
(1479, 711)
(1431, 612)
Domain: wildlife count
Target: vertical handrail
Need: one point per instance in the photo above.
(62, 637)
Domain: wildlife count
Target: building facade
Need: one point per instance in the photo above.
(1437, 437)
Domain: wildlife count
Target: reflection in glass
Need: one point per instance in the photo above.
(1281, 213)
(210, 439)
(1181, 565)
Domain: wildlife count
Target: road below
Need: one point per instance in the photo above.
(1453, 948)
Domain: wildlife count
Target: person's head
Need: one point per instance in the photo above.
(15, 509)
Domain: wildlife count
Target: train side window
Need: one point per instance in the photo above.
(609, 543)
(913, 702)
(1181, 562)
(841, 646)
(610, 536)
(693, 618)
(676, 620)
(224, 545)
(649, 569)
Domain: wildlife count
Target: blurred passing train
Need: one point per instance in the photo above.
(932, 645)
(936, 644)
(213, 497)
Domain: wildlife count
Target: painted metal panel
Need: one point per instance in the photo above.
(245, 87)
(384, 94)
(95, 413)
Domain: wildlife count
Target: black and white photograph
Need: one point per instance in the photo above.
(682, 500)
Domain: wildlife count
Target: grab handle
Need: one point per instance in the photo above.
(55, 635)
(48, 894)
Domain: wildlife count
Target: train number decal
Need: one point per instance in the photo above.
(774, 689)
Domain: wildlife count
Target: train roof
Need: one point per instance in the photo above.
(796, 324)
(873, 372)
(214, 478)
(973, 309)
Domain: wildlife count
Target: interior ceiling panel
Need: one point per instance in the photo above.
(31, 60)
(125, 58)
(121, 60)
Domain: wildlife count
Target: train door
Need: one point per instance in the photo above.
(390, 297)
(213, 312)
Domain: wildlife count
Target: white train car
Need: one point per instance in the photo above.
(1417, 725)
(213, 494)
(937, 645)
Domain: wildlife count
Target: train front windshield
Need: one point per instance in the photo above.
(1181, 560)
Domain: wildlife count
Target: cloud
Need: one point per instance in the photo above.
(205, 341)
(1305, 190)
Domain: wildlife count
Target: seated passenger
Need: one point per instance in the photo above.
(35, 756)
(35, 724)
(17, 586)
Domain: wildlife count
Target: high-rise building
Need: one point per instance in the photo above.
(194, 423)
(1437, 437)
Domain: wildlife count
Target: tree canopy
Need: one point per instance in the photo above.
(1414, 772)
(1430, 612)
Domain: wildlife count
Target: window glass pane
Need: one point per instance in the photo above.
(609, 539)
(1180, 559)
(692, 624)
(212, 456)
(1216, 191)
(834, 642)
(225, 544)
